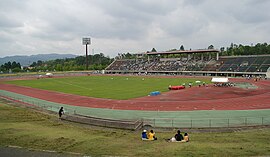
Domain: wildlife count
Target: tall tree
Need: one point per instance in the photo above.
(39, 62)
(182, 48)
(210, 47)
(153, 50)
(222, 49)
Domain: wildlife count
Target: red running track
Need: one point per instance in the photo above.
(189, 99)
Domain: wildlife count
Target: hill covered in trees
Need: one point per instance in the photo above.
(27, 60)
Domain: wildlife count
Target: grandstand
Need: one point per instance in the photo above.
(193, 62)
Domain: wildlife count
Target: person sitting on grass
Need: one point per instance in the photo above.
(144, 135)
(178, 136)
(186, 138)
(151, 135)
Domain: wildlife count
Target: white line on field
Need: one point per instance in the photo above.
(72, 84)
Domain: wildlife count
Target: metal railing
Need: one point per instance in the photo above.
(207, 122)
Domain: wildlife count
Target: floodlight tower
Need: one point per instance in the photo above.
(86, 41)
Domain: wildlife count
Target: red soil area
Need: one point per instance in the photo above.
(194, 98)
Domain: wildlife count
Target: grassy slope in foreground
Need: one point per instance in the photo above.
(111, 87)
(29, 129)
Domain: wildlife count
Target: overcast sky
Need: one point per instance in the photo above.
(117, 26)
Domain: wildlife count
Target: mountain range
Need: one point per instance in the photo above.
(28, 60)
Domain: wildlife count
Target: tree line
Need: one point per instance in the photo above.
(238, 50)
(96, 62)
(232, 50)
(14, 66)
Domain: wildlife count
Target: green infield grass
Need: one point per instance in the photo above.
(111, 87)
(34, 130)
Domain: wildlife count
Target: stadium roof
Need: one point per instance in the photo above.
(182, 52)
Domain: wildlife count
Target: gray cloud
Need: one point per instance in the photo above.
(5, 22)
(31, 27)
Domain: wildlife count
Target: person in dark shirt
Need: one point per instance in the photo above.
(61, 112)
(179, 136)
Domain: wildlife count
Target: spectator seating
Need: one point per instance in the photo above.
(233, 64)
